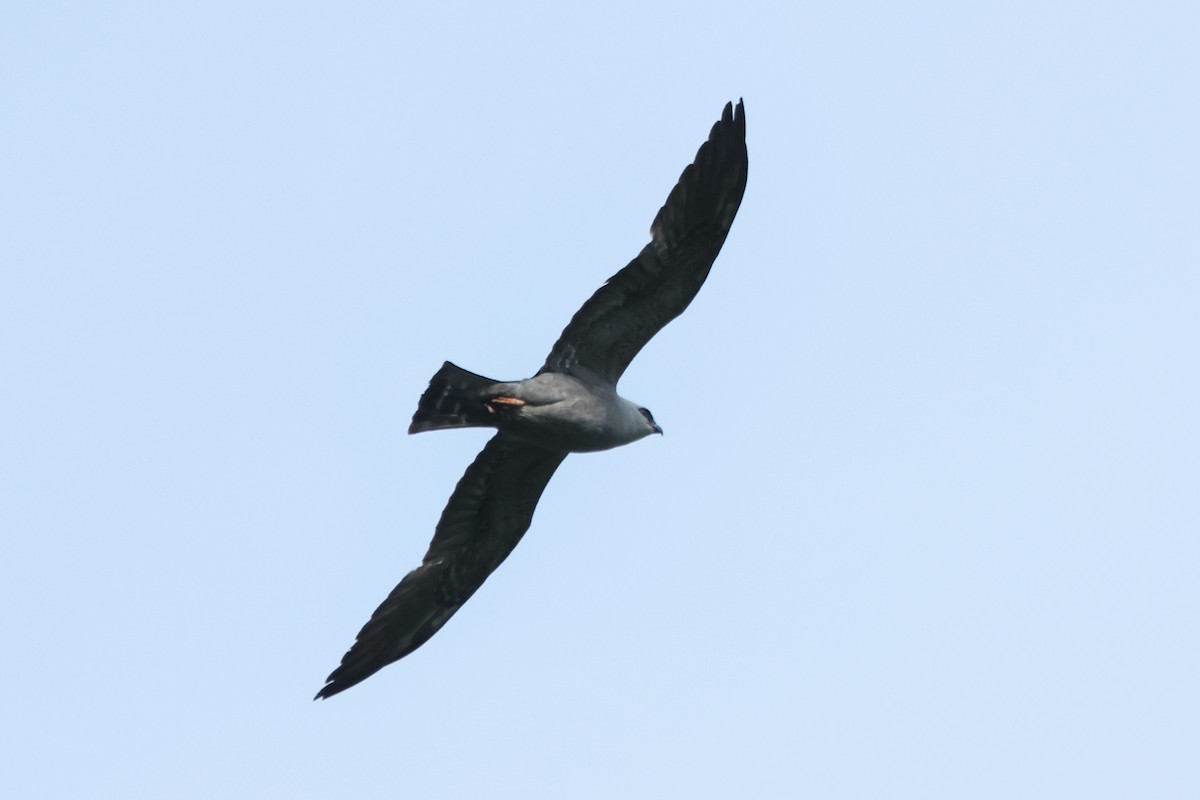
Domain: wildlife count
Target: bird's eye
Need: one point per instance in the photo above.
(646, 413)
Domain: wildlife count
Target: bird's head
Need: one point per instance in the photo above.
(645, 412)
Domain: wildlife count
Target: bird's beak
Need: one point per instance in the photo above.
(658, 430)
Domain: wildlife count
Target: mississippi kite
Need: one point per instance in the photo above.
(571, 405)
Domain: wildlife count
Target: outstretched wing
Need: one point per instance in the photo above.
(487, 515)
(611, 327)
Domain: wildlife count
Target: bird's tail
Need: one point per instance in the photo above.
(455, 399)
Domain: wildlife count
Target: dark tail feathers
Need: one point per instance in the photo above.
(455, 399)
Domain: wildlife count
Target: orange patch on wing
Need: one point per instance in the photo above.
(508, 401)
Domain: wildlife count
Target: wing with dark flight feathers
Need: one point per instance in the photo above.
(487, 515)
(611, 327)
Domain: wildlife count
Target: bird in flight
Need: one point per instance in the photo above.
(570, 406)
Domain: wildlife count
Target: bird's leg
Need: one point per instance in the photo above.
(504, 403)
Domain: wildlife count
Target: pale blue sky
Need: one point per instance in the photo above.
(924, 523)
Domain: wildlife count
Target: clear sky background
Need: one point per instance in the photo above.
(925, 521)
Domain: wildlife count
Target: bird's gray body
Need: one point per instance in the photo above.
(565, 412)
(570, 406)
(576, 413)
